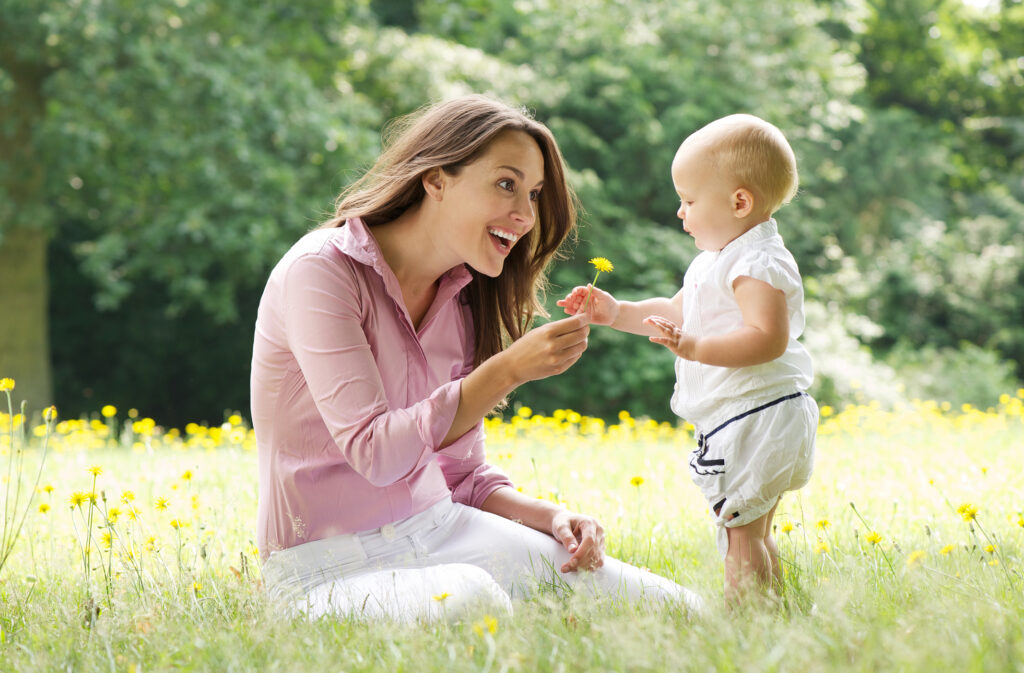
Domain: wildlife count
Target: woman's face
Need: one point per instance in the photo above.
(491, 203)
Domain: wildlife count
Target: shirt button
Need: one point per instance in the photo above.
(387, 531)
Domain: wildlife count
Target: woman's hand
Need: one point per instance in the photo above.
(602, 308)
(582, 536)
(549, 349)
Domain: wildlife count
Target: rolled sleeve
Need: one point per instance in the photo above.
(324, 327)
(470, 479)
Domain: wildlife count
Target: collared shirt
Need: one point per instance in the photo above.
(706, 394)
(350, 402)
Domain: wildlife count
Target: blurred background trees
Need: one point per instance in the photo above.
(164, 156)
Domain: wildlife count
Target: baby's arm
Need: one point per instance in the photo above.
(625, 316)
(763, 337)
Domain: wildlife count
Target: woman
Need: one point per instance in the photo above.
(378, 351)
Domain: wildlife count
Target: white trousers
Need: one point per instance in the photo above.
(442, 563)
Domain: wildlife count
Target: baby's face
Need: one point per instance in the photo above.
(706, 200)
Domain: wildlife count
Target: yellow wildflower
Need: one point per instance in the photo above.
(186, 475)
(990, 548)
(821, 547)
(107, 539)
(112, 514)
(441, 596)
(945, 551)
(602, 264)
(44, 508)
(78, 498)
(161, 504)
(109, 411)
(787, 526)
(50, 413)
(994, 562)
(637, 481)
(823, 524)
(968, 511)
(197, 588)
(915, 558)
(873, 537)
(48, 488)
(234, 419)
(525, 412)
(175, 524)
(95, 470)
(490, 622)
(127, 497)
(6, 384)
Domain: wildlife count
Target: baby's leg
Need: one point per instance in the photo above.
(748, 563)
(773, 549)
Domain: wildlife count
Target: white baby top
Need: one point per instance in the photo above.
(707, 395)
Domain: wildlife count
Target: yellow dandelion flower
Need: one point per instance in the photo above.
(490, 622)
(127, 496)
(915, 557)
(113, 514)
(823, 524)
(787, 527)
(150, 543)
(95, 470)
(441, 596)
(947, 550)
(873, 537)
(478, 629)
(186, 475)
(637, 481)
(106, 539)
(108, 411)
(994, 562)
(77, 499)
(161, 503)
(6, 384)
(50, 413)
(44, 508)
(821, 548)
(175, 524)
(48, 488)
(602, 264)
(826, 411)
(990, 548)
(197, 588)
(525, 412)
(967, 511)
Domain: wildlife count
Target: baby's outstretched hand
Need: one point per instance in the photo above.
(673, 338)
(601, 309)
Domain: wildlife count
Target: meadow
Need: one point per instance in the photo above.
(903, 553)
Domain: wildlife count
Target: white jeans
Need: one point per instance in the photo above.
(441, 563)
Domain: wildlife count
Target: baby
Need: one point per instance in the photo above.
(741, 375)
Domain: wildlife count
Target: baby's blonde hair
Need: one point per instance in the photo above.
(752, 151)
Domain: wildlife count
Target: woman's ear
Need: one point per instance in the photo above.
(742, 202)
(434, 182)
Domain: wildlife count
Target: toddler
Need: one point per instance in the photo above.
(741, 375)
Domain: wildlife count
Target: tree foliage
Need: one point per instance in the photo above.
(175, 148)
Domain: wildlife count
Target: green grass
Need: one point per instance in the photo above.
(193, 600)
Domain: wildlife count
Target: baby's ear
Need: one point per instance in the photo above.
(742, 202)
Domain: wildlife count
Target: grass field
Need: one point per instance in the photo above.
(903, 554)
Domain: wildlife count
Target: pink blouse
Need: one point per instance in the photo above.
(349, 402)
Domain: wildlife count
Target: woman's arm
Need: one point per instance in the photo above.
(547, 350)
(581, 535)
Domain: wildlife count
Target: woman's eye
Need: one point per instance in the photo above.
(534, 195)
(507, 184)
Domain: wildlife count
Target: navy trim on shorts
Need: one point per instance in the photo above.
(702, 440)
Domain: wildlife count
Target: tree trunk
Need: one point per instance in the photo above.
(24, 324)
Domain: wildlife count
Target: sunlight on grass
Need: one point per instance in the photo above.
(903, 552)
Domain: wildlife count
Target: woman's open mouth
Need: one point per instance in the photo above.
(503, 240)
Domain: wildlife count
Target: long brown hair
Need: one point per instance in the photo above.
(450, 135)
